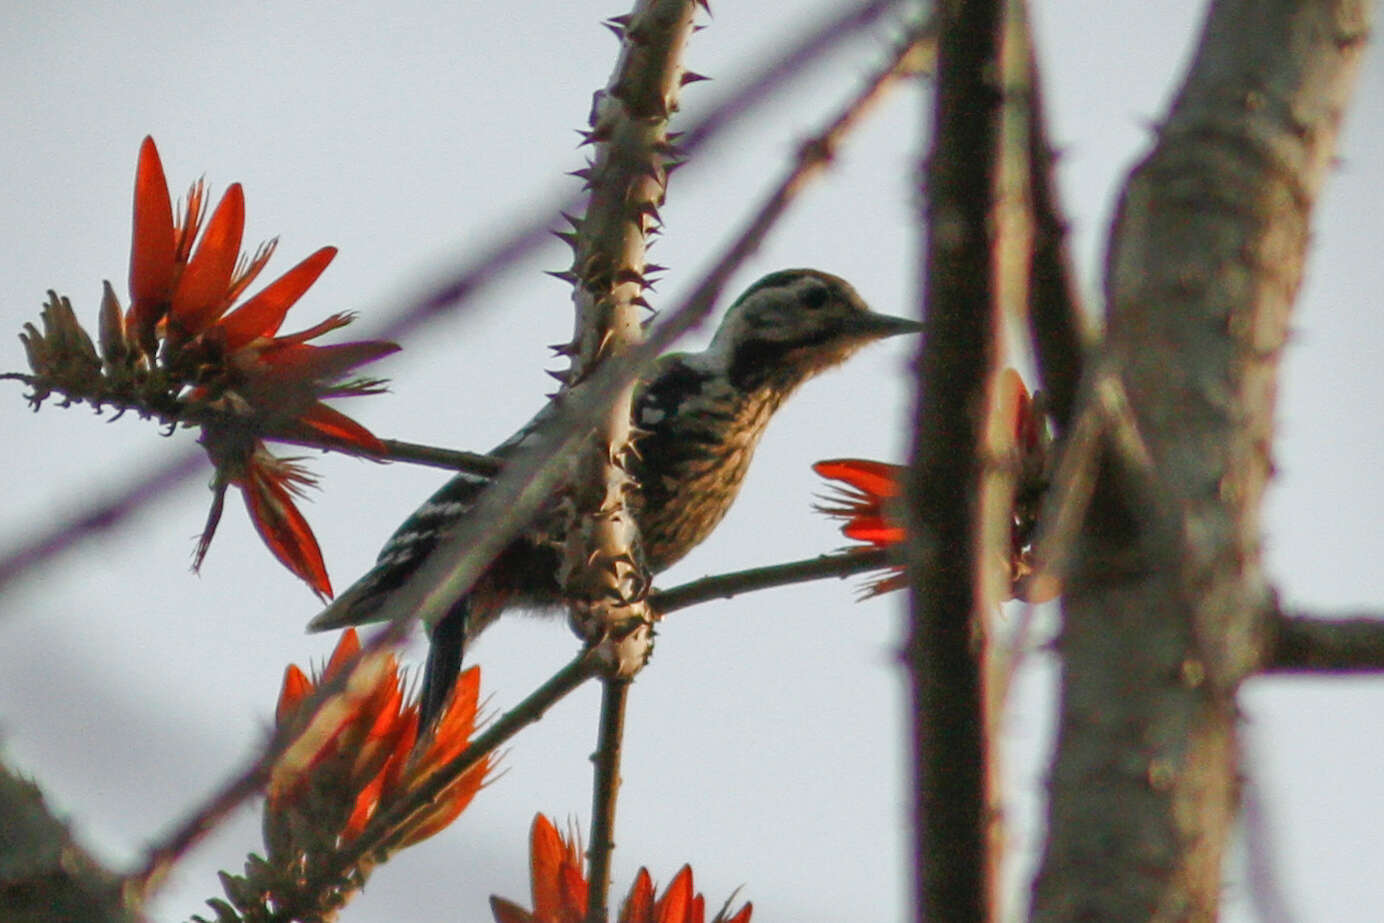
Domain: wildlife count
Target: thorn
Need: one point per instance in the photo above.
(650, 209)
(564, 349)
(573, 220)
(623, 20)
(706, 5)
(654, 267)
(565, 275)
(559, 376)
(672, 164)
(630, 275)
(692, 77)
(617, 29)
(599, 133)
(567, 237)
(642, 302)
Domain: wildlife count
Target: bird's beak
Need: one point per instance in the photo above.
(878, 326)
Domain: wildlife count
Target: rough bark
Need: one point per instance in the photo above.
(1165, 603)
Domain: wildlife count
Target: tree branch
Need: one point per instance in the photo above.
(1302, 643)
(1056, 319)
(944, 483)
(1164, 605)
(725, 586)
(605, 789)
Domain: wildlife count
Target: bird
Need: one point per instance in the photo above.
(699, 417)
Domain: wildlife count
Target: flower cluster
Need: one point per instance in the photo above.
(559, 889)
(868, 503)
(186, 354)
(353, 757)
(361, 753)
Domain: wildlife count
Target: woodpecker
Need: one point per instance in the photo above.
(700, 416)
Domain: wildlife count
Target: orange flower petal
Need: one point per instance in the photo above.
(153, 244)
(573, 887)
(201, 293)
(452, 732)
(676, 903)
(367, 800)
(346, 650)
(875, 478)
(874, 530)
(639, 905)
(743, 916)
(296, 687)
(546, 855)
(290, 359)
(263, 314)
(336, 426)
(284, 529)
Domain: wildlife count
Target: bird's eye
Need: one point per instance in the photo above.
(815, 297)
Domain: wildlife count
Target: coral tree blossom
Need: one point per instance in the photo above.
(559, 889)
(361, 753)
(869, 498)
(231, 364)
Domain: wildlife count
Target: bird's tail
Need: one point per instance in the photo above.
(444, 661)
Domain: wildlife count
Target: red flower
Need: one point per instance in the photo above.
(231, 361)
(559, 889)
(872, 487)
(868, 503)
(360, 754)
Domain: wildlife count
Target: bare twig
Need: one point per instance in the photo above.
(725, 586)
(1306, 644)
(604, 791)
(1056, 318)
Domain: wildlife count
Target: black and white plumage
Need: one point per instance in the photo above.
(702, 414)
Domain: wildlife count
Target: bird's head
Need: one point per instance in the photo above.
(794, 323)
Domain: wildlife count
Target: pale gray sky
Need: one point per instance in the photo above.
(766, 739)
